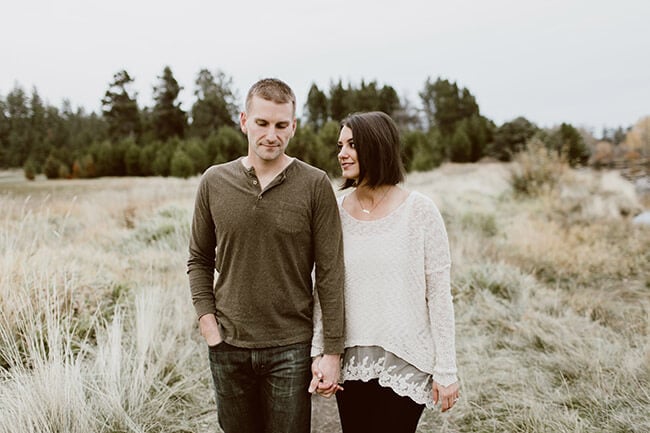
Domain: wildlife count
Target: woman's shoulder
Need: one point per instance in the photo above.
(422, 201)
(424, 207)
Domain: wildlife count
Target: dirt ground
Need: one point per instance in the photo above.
(324, 415)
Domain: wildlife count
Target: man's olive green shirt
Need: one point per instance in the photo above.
(264, 246)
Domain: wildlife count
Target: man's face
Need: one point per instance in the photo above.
(269, 127)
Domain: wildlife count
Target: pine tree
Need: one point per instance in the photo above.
(316, 107)
(169, 120)
(445, 104)
(18, 139)
(339, 102)
(120, 108)
(215, 103)
(38, 129)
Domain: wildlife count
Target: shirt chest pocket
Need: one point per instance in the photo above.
(291, 218)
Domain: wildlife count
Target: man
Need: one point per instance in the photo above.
(264, 222)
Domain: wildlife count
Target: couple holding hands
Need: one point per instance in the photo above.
(314, 294)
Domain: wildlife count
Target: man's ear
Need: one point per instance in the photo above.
(242, 122)
(294, 125)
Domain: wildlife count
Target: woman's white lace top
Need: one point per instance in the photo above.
(398, 305)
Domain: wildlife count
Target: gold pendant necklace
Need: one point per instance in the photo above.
(367, 211)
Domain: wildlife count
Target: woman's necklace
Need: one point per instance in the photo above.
(367, 211)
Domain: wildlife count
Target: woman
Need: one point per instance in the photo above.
(399, 344)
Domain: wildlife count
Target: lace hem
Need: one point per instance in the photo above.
(367, 363)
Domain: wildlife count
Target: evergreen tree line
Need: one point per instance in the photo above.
(164, 140)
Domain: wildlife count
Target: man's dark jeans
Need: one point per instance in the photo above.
(262, 390)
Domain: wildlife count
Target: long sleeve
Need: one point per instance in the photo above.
(201, 262)
(329, 268)
(439, 298)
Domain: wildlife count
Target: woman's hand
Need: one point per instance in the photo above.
(325, 372)
(447, 395)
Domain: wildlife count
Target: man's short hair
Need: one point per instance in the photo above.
(273, 90)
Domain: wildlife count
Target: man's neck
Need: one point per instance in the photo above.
(263, 167)
(266, 171)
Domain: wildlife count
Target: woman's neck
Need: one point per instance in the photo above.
(369, 199)
(372, 195)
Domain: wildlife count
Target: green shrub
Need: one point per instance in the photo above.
(132, 159)
(51, 167)
(161, 165)
(182, 165)
(226, 144)
(30, 170)
(420, 151)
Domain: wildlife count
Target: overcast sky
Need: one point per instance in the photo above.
(586, 62)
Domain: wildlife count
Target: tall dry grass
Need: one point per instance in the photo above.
(552, 295)
(97, 333)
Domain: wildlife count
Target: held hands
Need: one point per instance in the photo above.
(325, 371)
(210, 329)
(448, 395)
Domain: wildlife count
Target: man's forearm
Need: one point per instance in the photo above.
(201, 286)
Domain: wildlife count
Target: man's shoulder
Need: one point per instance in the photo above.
(224, 169)
(304, 169)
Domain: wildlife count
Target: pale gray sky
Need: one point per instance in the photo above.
(586, 62)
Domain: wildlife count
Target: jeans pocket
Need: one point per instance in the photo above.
(213, 350)
(216, 345)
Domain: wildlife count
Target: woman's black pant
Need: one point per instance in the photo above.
(370, 407)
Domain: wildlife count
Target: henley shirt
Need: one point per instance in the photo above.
(265, 245)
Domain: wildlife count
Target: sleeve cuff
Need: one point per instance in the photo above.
(445, 379)
(204, 308)
(333, 346)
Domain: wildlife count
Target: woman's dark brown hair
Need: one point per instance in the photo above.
(376, 140)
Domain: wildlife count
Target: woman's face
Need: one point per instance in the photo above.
(348, 155)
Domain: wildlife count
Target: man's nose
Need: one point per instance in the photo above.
(271, 135)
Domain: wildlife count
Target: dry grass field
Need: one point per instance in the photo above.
(552, 298)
